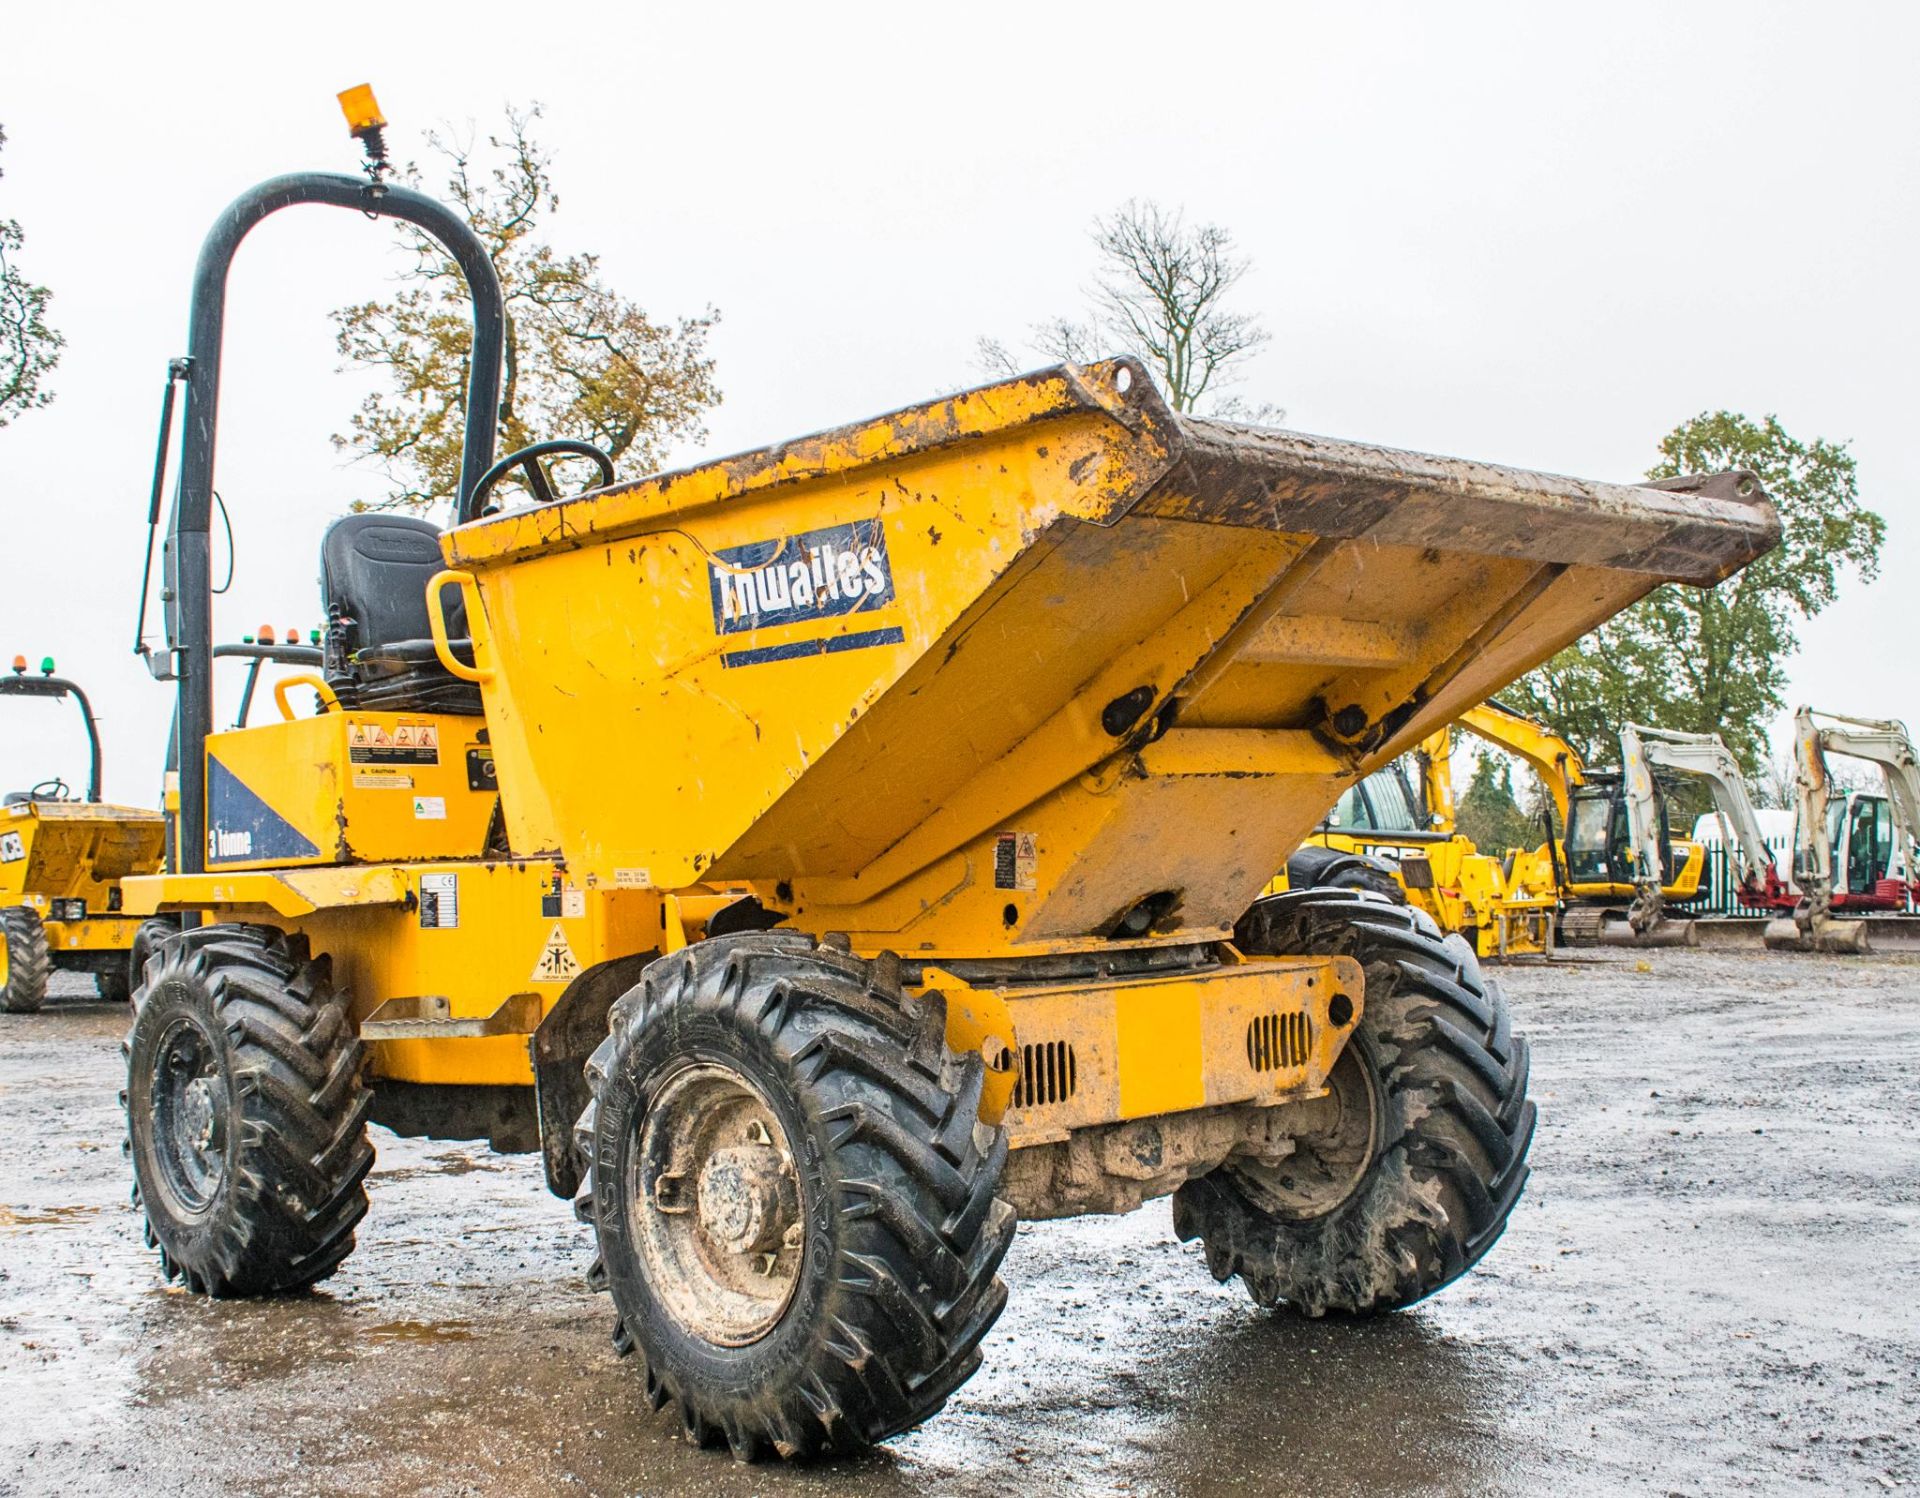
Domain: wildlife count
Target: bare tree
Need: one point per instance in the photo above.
(29, 348)
(1161, 294)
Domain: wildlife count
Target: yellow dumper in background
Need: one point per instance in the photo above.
(830, 854)
(62, 858)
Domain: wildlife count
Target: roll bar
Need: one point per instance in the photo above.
(18, 684)
(189, 607)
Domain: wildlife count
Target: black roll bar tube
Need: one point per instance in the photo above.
(16, 684)
(186, 567)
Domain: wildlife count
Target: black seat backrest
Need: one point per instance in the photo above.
(373, 572)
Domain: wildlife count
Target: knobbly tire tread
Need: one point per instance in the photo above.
(896, 1297)
(1315, 867)
(1455, 1122)
(294, 1192)
(28, 963)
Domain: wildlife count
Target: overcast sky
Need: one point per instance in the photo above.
(1541, 235)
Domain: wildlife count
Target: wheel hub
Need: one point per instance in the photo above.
(745, 1198)
(1332, 1147)
(197, 1114)
(714, 1201)
(190, 1106)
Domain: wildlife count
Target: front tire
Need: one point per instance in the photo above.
(147, 940)
(23, 984)
(246, 1114)
(793, 1198)
(1405, 1174)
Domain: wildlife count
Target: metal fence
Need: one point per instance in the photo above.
(1720, 881)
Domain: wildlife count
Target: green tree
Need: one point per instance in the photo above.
(29, 347)
(1162, 295)
(1489, 813)
(1713, 660)
(582, 361)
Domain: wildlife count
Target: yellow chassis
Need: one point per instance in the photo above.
(460, 1004)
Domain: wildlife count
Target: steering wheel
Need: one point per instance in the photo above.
(55, 789)
(537, 480)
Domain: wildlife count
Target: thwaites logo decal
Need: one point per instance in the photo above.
(823, 574)
(13, 847)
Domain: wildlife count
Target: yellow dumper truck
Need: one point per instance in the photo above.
(62, 857)
(828, 855)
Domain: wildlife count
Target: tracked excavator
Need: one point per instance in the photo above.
(1616, 865)
(1874, 836)
(1704, 757)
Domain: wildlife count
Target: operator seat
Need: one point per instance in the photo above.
(379, 647)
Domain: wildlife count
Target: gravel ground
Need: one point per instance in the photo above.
(1710, 1287)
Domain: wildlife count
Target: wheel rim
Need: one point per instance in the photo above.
(715, 1206)
(1334, 1146)
(191, 1105)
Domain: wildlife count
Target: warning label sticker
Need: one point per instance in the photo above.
(13, 847)
(557, 963)
(439, 902)
(382, 780)
(406, 743)
(1016, 859)
(632, 879)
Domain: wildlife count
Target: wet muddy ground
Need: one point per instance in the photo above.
(1713, 1285)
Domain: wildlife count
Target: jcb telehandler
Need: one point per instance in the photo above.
(1385, 835)
(827, 855)
(62, 858)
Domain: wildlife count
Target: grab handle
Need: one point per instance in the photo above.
(477, 631)
(329, 703)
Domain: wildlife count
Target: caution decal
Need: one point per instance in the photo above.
(1016, 860)
(557, 963)
(408, 742)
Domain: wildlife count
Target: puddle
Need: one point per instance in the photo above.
(422, 1331)
(34, 1217)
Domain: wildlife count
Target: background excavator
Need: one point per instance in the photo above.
(1609, 853)
(1854, 852)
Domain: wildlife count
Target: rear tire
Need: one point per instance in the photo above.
(1412, 1164)
(246, 1114)
(1315, 867)
(793, 1197)
(114, 987)
(25, 987)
